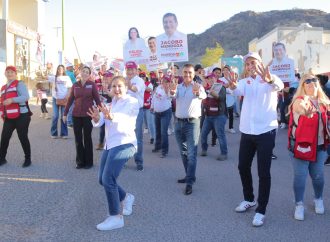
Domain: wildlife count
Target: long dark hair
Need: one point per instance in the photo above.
(129, 32)
(58, 68)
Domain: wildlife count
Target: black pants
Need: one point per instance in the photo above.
(43, 105)
(82, 128)
(263, 144)
(21, 124)
(231, 116)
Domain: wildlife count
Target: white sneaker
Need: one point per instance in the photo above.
(232, 131)
(169, 132)
(282, 126)
(145, 131)
(258, 220)
(299, 212)
(128, 204)
(245, 205)
(319, 207)
(111, 222)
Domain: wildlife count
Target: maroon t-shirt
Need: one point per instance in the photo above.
(83, 97)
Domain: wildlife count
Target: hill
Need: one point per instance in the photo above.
(235, 33)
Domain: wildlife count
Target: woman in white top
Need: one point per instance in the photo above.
(120, 145)
(162, 106)
(60, 89)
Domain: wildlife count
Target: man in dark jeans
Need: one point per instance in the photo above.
(258, 127)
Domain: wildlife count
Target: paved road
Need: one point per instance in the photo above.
(52, 201)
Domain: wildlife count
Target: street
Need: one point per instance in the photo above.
(53, 201)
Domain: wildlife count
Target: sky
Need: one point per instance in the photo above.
(102, 25)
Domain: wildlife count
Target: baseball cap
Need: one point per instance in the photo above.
(210, 75)
(167, 78)
(254, 55)
(11, 68)
(130, 65)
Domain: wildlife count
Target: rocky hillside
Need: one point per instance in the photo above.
(235, 33)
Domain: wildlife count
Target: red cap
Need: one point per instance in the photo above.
(11, 68)
(152, 74)
(142, 74)
(210, 75)
(130, 65)
(108, 74)
(167, 78)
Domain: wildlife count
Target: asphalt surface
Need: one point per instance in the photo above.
(53, 201)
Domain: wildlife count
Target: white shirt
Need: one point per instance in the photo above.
(258, 114)
(63, 83)
(161, 101)
(139, 94)
(187, 104)
(120, 130)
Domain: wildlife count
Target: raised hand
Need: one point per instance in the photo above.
(307, 106)
(94, 113)
(196, 88)
(264, 73)
(232, 82)
(106, 111)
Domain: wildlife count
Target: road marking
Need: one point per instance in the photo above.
(33, 179)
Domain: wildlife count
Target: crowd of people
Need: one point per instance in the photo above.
(191, 104)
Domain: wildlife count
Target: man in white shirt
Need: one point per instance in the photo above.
(189, 96)
(258, 126)
(136, 89)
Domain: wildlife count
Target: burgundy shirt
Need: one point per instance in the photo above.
(83, 97)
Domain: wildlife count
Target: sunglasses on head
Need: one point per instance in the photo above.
(310, 80)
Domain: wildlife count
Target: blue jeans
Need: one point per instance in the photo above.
(301, 169)
(187, 135)
(150, 118)
(111, 163)
(218, 123)
(64, 127)
(139, 137)
(162, 121)
(69, 120)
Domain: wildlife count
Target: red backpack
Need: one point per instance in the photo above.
(303, 136)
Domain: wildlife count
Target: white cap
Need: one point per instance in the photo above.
(254, 55)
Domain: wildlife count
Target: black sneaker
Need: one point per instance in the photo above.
(3, 161)
(152, 141)
(139, 167)
(26, 163)
(327, 162)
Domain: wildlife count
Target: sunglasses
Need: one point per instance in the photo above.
(308, 81)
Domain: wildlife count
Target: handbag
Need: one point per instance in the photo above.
(61, 101)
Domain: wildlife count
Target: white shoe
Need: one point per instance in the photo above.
(111, 222)
(169, 132)
(299, 212)
(145, 131)
(319, 207)
(47, 116)
(128, 204)
(245, 205)
(232, 131)
(282, 126)
(258, 220)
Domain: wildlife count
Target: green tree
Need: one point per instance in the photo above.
(212, 55)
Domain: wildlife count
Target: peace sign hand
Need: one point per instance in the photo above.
(232, 82)
(195, 88)
(264, 73)
(94, 114)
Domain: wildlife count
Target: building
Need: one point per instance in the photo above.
(308, 46)
(21, 27)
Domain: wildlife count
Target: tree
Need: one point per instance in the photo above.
(212, 55)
